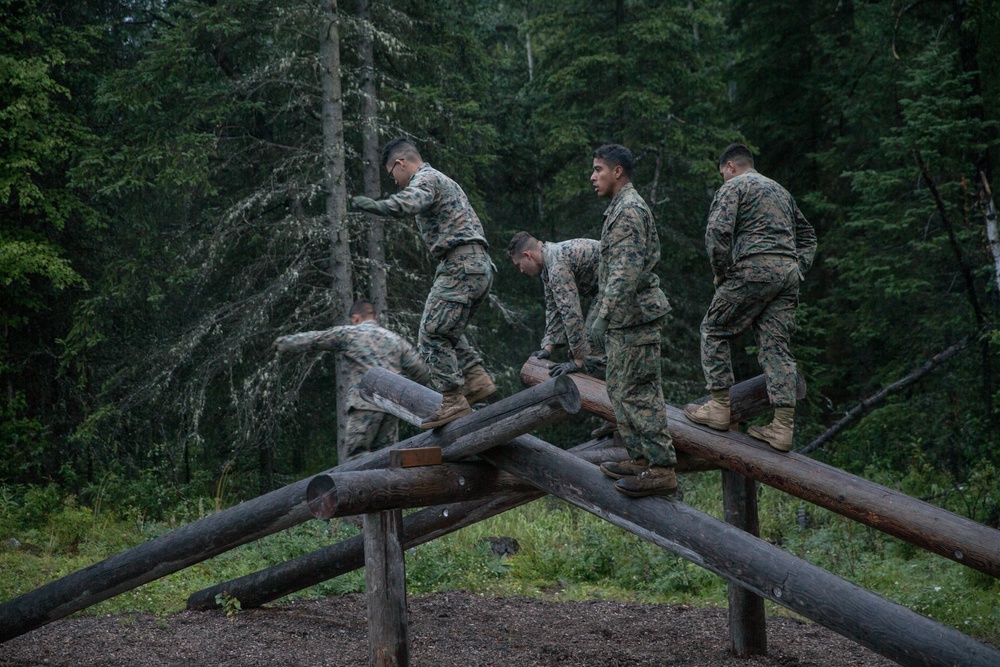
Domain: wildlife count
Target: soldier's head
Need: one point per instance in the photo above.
(401, 160)
(612, 169)
(526, 253)
(361, 311)
(735, 160)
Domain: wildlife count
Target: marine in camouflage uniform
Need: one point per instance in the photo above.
(759, 245)
(455, 237)
(631, 312)
(363, 345)
(569, 280)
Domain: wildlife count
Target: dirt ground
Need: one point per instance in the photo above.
(446, 630)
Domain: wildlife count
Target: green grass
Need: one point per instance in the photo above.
(565, 554)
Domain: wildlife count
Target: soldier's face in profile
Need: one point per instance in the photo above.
(527, 265)
(603, 178)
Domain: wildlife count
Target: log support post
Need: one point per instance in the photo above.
(385, 587)
(747, 629)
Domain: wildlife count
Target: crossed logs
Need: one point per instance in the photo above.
(514, 468)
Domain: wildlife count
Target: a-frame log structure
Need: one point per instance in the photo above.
(514, 468)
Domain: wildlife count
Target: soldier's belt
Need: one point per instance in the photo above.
(467, 249)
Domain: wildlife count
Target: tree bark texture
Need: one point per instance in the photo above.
(336, 193)
(377, 292)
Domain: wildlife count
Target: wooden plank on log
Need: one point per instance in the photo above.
(269, 584)
(915, 521)
(385, 591)
(883, 626)
(270, 513)
(413, 458)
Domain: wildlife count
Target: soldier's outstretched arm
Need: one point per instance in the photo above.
(333, 339)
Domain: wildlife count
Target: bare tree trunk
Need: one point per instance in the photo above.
(336, 192)
(370, 156)
(990, 214)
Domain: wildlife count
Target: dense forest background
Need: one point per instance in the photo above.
(174, 177)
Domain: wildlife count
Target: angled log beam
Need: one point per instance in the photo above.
(263, 586)
(854, 612)
(272, 512)
(915, 521)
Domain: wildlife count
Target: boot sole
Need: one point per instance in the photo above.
(643, 494)
(614, 475)
(705, 422)
(757, 435)
(441, 422)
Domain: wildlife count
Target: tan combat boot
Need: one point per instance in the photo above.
(453, 405)
(629, 468)
(714, 414)
(779, 432)
(655, 480)
(478, 384)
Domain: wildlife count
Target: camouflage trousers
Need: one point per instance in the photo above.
(633, 383)
(461, 284)
(595, 364)
(760, 293)
(369, 430)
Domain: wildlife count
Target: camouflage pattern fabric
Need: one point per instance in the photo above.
(760, 293)
(461, 284)
(569, 275)
(444, 215)
(753, 215)
(630, 251)
(633, 384)
(634, 305)
(363, 346)
(369, 430)
(772, 244)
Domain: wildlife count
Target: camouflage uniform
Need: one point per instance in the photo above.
(569, 274)
(634, 306)
(363, 346)
(462, 281)
(756, 222)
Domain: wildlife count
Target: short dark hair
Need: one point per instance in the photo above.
(616, 155)
(522, 241)
(738, 154)
(362, 308)
(400, 147)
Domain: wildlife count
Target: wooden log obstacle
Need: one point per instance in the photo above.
(518, 468)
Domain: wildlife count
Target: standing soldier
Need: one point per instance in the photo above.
(569, 274)
(455, 238)
(364, 345)
(628, 324)
(759, 245)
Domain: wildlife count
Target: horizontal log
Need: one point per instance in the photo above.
(915, 521)
(854, 612)
(263, 586)
(338, 493)
(283, 579)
